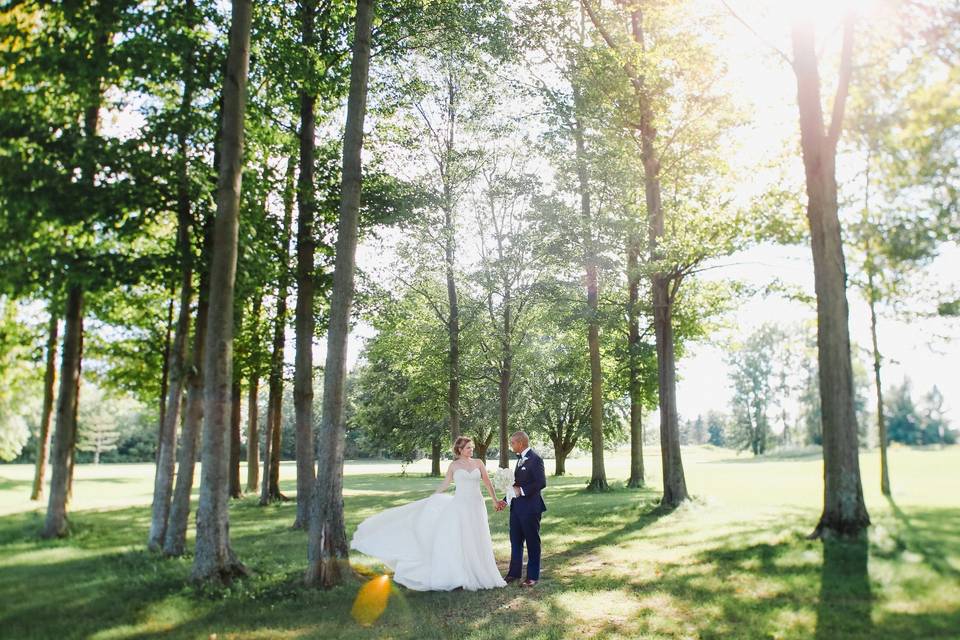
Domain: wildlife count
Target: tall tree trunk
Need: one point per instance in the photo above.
(66, 422)
(435, 451)
(276, 437)
(453, 322)
(236, 405)
(68, 401)
(598, 478)
(872, 299)
(674, 481)
(177, 353)
(306, 202)
(877, 361)
(175, 360)
(49, 378)
(505, 374)
(253, 435)
(327, 551)
(270, 489)
(175, 537)
(265, 497)
(214, 560)
(633, 346)
(163, 479)
(844, 511)
(506, 370)
(165, 374)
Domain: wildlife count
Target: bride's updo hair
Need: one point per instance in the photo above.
(459, 444)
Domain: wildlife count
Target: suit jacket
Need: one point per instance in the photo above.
(531, 477)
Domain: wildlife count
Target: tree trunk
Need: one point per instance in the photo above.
(165, 374)
(674, 482)
(877, 360)
(435, 458)
(163, 479)
(453, 325)
(560, 460)
(844, 512)
(598, 479)
(481, 445)
(270, 489)
(276, 436)
(176, 367)
(65, 436)
(327, 550)
(214, 559)
(505, 374)
(175, 372)
(236, 404)
(633, 346)
(175, 538)
(265, 497)
(49, 378)
(306, 202)
(253, 435)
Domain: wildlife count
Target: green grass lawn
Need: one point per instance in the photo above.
(732, 564)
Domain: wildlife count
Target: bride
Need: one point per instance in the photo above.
(442, 542)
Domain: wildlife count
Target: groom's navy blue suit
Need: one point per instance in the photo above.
(525, 512)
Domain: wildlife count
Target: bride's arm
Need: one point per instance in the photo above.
(446, 481)
(486, 481)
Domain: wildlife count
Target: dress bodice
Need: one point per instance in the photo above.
(467, 482)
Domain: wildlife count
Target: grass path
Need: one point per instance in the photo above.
(732, 564)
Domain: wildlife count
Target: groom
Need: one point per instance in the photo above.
(526, 507)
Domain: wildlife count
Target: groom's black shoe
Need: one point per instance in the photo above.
(509, 579)
(528, 583)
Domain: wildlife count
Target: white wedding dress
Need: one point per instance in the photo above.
(438, 543)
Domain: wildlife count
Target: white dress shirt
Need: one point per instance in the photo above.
(523, 458)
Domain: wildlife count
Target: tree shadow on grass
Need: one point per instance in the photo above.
(844, 608)
(74, 590)
(934, 534)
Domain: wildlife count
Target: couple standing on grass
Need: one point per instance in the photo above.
(443, 542)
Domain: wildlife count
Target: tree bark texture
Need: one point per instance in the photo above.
(236, 404)
(327, 550)
(177, 354)
(175, 537)
(453, 324)
(65, 435)
(598, 478)
(270, 489)
(636, 479)
(877, 364)
(844, 511)
(214, 560)
(253, 434)
(435, 450)
(46, 413)
(306, 241)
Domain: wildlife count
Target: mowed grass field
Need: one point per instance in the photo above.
(733, 563)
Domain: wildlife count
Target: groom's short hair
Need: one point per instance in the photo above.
(521, 436)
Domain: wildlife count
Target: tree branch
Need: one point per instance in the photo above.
(843, 83)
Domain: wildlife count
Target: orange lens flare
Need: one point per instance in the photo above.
(371, 601)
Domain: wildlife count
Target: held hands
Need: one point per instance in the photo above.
(500, 505)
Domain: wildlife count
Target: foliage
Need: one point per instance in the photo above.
(909, 424)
